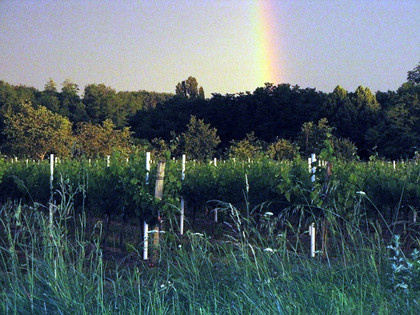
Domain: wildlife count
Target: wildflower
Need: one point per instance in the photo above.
(269, 250)
(268, 214)
(361, 193)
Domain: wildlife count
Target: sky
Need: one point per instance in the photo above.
(229, 46)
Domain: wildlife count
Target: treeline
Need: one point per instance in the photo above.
(279, 120)
(386, 124)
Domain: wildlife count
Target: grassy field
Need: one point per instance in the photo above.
(253, 269)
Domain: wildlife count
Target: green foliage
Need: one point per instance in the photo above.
(283, 149)
(199, 141)
(247, 148)
(35, 132)
(58, 269)
(189, 89)
(413, 76)
(344, 149)
(101, 140)
(311, 137)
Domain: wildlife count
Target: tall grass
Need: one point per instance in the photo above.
(253, 270)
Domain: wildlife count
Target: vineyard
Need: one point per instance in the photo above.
(121, 186)
(256, 212)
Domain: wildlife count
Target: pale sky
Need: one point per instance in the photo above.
(152, 45)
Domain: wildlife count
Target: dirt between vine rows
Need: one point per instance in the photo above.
(130, 254)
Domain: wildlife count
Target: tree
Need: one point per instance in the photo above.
(102, 103)
(189, 88)
(398, 132)
(413, 76)
(368, 115)
(71, 105)
(35, 132)
(245, 149)
(311, 137)
(201, 93)
(283, 149)
(49, 97)
(341, 112)
(199, 140)
(99, 140)
(50, 86)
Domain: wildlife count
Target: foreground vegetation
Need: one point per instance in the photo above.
(254, 260)
(53, 269)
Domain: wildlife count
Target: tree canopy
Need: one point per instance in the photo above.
(381, 123)
(35, 132)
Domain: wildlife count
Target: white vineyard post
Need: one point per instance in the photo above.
(309, 164)
(215, 210)
(393, 164)
(51, 209)
(107, 160)
(215, 161)
(146, 241)
(312, 233)
(147, 167)
(181, 223)
(313, 170)
(145, 225)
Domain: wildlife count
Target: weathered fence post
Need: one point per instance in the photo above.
(158, 196)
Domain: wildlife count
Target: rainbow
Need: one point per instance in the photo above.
(267, 39)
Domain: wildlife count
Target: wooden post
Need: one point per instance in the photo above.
(159, 180)
(158, 196)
